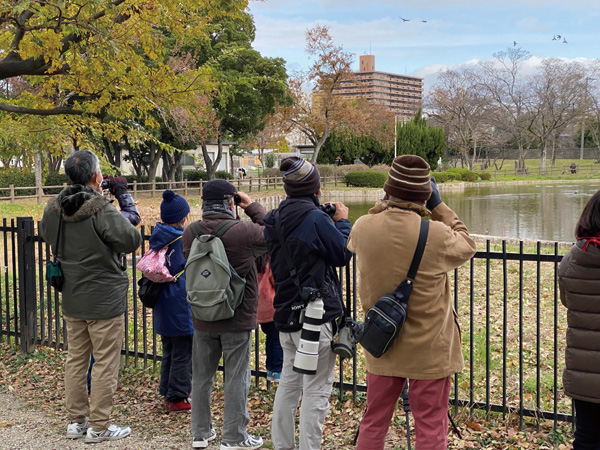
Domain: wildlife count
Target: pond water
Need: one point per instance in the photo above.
(538, 212)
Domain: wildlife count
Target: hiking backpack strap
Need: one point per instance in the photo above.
(218, 231)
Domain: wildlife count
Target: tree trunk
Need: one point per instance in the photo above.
(37, 159)
(156, 153)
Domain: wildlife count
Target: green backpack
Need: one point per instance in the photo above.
(214, 288)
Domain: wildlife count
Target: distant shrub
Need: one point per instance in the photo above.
(18, 179)
(347, 168)
(381, 168)
(55, 179)
(326, 170)
(440, 177)
(269, 160)
(195, 175)
(223, 174)
(271, 172)
(366, 178)
(485, 176)
(463, 174)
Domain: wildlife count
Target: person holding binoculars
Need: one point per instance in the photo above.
(305, 244)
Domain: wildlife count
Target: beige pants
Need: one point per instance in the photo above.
(105, 337)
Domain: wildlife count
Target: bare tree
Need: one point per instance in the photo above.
(558, 98)
(459, 104)
(508, 91)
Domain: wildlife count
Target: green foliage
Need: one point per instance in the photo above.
(418, 138)
(485, 176)
(282, 146)
(223, 174)
(269, 160)
(459, 174)
(441, 177)
(55, 179)
(18, 179)
(366, 178)
(463, 174)
(195, 175)
(344, 147)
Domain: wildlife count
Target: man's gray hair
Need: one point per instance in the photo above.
(81, 166)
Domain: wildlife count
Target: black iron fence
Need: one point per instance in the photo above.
(506, 299)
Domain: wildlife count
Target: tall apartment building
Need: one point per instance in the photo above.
(402, 94)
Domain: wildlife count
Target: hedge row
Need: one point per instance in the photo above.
(366, 178)
(458, 174)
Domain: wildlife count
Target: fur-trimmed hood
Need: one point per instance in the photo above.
(78, 202)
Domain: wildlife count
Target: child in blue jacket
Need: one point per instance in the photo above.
(172, 315)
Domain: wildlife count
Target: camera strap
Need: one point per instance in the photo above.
(55, 252)
(416, 261)
(286, 253)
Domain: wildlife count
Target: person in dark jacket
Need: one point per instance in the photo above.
(94, 296)
(316, 245)
(172, 315)
(579, 283)
(230, 338)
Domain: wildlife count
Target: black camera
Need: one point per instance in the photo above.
(328, 208)
(236, 199)
(344, 344)
(105, 184)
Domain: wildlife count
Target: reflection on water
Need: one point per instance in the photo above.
(539, 212)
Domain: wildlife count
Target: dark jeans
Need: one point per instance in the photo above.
(587, 426)
(273, 347)
(176, 368)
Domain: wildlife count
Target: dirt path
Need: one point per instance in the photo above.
(24, 427)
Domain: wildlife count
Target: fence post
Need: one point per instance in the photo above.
(12, 193)
(250, 185)
(153, 188)
(134, 188)
(27, 293)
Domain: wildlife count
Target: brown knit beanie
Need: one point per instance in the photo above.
(299, 177)
(409, 179)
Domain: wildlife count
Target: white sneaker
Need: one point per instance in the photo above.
(251, 443)
(203, 442)
(77, 430)
(112, 433)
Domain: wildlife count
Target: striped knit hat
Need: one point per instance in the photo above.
(299, 177)
(409, 179)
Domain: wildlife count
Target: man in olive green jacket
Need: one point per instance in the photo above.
(93, 235)
(427, 350)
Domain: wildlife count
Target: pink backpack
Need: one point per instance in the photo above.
(152, 265)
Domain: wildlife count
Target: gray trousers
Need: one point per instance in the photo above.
(206, 353)
(314, 390)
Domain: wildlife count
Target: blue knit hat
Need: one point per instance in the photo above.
(173, 207)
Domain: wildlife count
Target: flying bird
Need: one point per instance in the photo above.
(424, 21)
(564, 41)
(554, 38)
(404, 20)
(514, 43)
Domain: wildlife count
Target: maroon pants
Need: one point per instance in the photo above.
(429, 405)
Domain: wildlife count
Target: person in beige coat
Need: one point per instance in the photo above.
(428, 349)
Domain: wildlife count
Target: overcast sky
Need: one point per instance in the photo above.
(456, 32)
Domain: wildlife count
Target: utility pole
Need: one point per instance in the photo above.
(395, 135)
(582, 139)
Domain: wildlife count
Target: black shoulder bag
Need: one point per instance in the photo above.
(54, 274)
(386, 318)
